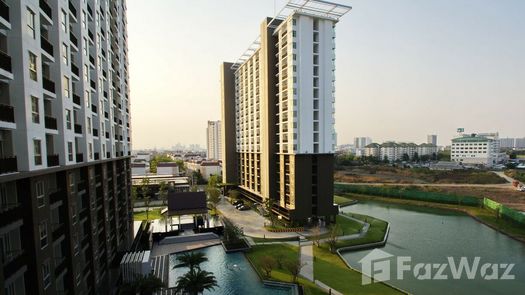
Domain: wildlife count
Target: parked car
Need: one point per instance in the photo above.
(237, 202)
(239, 205)
(243, 208)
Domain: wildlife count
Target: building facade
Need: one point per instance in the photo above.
(281, 141)
(213, 140)
(362, 142)
(393, 151)
(64, 145)
(432, 139)
(476, 149)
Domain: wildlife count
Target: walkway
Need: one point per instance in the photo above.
(502, 175)
(307, 261)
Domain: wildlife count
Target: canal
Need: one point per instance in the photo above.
(431, 235)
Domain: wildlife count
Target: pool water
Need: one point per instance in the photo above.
(233, 272)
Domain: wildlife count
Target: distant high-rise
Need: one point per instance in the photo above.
(213, 140)
(520, 143)
(362, 142)
(432, 139)
(65, 178)
(507, 142)
(278, 113)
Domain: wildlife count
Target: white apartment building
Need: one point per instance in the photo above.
(167, 168)
(481, 149)
(432, 139)
(64, 144)
(393, 151)
(213, 140)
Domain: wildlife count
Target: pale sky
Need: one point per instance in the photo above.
(404, 68)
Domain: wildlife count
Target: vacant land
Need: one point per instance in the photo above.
(388, 174)
(343, 201)
(516, 174)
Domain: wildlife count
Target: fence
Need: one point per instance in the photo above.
(409, 194)
(504, 211)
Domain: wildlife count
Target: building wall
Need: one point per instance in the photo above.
(83, 208)
(213, 140)
(228, 132)
(475, 150)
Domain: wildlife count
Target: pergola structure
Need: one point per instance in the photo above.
(185, 203)
(318, 8)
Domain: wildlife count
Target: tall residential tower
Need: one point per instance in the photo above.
(65, 209)
(278, 112)
(213, 140)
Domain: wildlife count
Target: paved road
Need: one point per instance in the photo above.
(253, 224)
(502, 175)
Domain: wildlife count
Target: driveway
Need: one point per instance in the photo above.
(252, 223)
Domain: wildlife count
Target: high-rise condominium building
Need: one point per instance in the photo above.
(432, 139)
(213, 140)
(278, 113)
(65, 211)
(362, 142)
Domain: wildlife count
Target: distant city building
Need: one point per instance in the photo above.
(432, 139)
(139, 168)
(213, 140)
(206, 168)
(519, 143)
(393, 151)
(480, 149)
(507, 142)
(362, 142)
(167, 168)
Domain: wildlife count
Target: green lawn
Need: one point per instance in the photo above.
(152, 214)
(331, 270)
(347, 227)
(287, 253)
(261, 240)
(343, 201)
(375, 233)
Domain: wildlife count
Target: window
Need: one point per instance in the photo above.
(316, 48)
(38, 151)
(316, 137)
(31, 23)
(63, 20)
(316, 126)
(90, 151)
(65, 55)
(70, 151)
(42, 229)
(68, 119)
(86, 73)
(32, 67)
(316, 115)
(316, 93)
(35, 110)
(316, 104)
(87, 98)
(46, 277)
(89, 125)
(39, 191)
(86, 44)
(316, 71)
(293, 33)
(294, 21)
(65, 81)
(84, 19)
(316, 37)
(316, 24)
(316, 59)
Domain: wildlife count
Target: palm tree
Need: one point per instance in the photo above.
(143, 285)
(196, 281)
(191, 260)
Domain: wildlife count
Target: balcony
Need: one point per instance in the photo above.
(76, 99)
(13, 261)
(52, 160)
(7, 112)
(80, 157)
(5, 61)
(48, 85)
(4, 10)
(75, 70)
(78, 129)
(8, 165)
(50, 122)
(46, 9)
(72, 9)
(46, 45)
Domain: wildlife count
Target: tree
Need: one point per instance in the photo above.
(232, 234)
(234, 195)
(316, 235)
(294, 267)
(267, 264)
(146, 285)
(333, 237)
(156, 159)
(134, 195)
(163, 191)
(191, 260)
(196, 281)
(214, 197)
(405, 157)
(268, 205)
(145, 191)
(415, 157)
(385, 159)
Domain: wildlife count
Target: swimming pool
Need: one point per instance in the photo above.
(234, 274)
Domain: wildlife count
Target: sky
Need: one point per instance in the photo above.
(404, 68)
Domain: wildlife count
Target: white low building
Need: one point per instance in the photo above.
(167, 168)
(393, 151)
(206, 168)
(476, 149)
(139, 168)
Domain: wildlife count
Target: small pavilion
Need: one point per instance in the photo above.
(184, 204)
